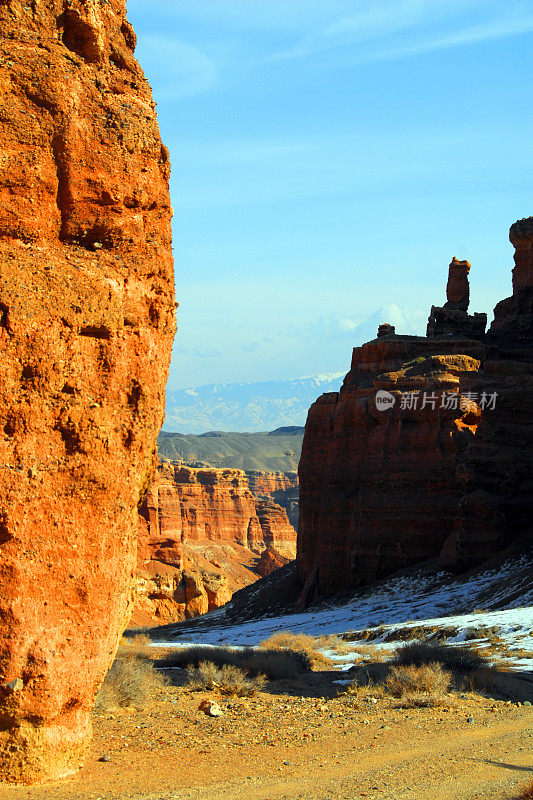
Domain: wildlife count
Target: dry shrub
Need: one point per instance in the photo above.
(425, 679)
(275, 664)
(335, 644)
(370, 652)
(299, 643)
(460, 660)
(526, 793)
(132, 681)
(481, 680)
(370, 674)
(228, 680)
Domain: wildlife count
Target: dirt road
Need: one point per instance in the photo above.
(302, 748)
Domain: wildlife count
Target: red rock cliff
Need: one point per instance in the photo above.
(281, 487)
(86, 327)
(267, 483)
(384, 484)
(200, 534)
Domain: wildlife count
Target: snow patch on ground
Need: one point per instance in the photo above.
(435, 600)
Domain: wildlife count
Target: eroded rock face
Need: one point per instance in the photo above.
(452, 319)
(268, 483)
(86, 327)
(281, 487)
(201, 531)
(271, 560)
(377, 487)
(521, 237)
(458, 286)
(386, 484)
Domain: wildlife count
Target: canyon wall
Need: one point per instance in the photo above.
(281, 487)
(426, 450)
(86, 328)
(201, 533)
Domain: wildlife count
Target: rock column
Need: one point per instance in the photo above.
(86, 328)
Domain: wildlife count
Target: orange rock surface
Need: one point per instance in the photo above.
(281, 487)
(271, 560)
(86, 327)
(267, 483)
(201, 532)
(458, 286)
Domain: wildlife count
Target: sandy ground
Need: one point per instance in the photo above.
(291, 747)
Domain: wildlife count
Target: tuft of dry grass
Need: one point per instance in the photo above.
(526, 793)
(369, 652)
(334, 643)
(131, 682)
(275, 664)
(460, 660)
(299, 643)
(227, 680)
(410, 680)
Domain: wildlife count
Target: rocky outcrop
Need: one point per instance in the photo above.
(452, 319)
(201, 532)
(276, 528)
(426, 450)
(86, 327)
(268, 483)
(458, 286)
(281, 487)
(521, 237)
(271, 560)
(496, 472)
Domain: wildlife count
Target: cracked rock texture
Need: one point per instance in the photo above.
(382, 488)
(86, 328)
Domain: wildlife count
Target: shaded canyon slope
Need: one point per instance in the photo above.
(426, 452)
(203, 535)
(86, 328)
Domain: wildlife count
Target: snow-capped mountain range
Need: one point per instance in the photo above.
(250, 406)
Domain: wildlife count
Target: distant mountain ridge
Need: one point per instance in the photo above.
(268, 451)
(249, 406)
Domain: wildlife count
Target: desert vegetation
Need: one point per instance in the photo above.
(461, 660)
(309, 646)
(133, 680)
(228, 680)
(275, 664)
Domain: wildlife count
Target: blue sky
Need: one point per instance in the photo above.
(329, 158)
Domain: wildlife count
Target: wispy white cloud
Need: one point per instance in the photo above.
(374, 21)
(415, 20)
(481, 33)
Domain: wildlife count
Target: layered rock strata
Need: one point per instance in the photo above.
(201, 532)
(281, 487)
(426, 450)
(86, 327)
